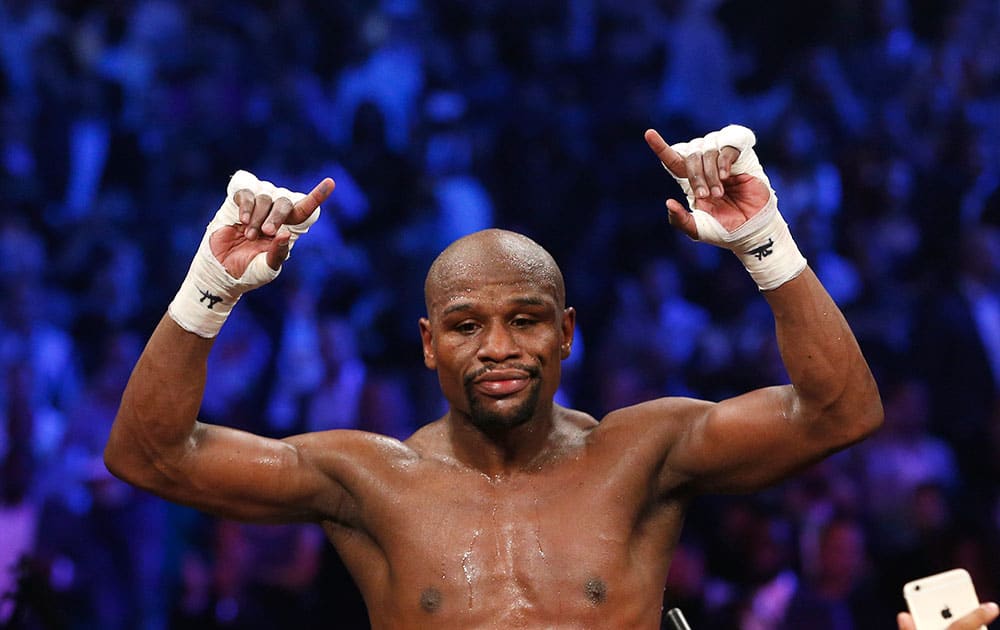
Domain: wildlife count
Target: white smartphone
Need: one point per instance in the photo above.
(937, 600)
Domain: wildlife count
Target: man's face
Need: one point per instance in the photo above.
(496, 338)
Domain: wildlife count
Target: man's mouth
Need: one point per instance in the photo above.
(502, 381)
(502, 386)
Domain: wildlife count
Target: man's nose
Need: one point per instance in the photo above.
(498, 344)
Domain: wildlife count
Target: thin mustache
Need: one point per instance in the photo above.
(531, 370)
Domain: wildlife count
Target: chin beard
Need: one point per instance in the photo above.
(490, 420)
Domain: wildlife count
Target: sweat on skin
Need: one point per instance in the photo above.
(509, 510)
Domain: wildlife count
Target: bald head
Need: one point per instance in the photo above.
(487, 253)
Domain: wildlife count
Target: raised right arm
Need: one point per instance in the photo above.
(156, 441)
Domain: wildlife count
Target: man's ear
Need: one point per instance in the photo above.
(426, 338)
(568, 327)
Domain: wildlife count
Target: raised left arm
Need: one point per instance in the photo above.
(756, 439)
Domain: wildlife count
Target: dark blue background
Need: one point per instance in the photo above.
(120, 122)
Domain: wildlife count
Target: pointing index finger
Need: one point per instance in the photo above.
(308, 204)
(670, 158)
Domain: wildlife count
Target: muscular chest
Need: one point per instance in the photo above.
(517, 549)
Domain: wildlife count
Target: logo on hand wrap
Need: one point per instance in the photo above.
(212, 299)
(761, 252)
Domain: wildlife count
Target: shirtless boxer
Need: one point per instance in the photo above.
(510, 511)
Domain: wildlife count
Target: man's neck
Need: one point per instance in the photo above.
(500, 451)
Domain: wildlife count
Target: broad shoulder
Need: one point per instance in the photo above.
(342, 450)
(429, 439)
(571, 433)
(678, 408)
(572, 424)
(424, 442)
(659, 419)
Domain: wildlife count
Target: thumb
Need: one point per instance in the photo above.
(277, 253)
(985, 614)
(681, 219)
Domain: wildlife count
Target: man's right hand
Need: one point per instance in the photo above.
(243, 248)
(261, 218)
(981, 616)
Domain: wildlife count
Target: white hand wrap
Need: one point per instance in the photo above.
(763, 244)
(209, 293)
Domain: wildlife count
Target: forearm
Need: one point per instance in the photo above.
(833, 386)
(158, 411)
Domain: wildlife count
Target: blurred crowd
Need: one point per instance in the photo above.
(120, 122)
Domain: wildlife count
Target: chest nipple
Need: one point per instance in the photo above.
(596, 591)
(430, 599)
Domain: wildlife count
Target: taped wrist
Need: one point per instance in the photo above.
(763, 243)
(208, 293)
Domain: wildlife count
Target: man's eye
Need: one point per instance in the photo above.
(522, 322)
(466, 327)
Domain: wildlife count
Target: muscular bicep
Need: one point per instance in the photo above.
(744, 443)
(240, 475)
